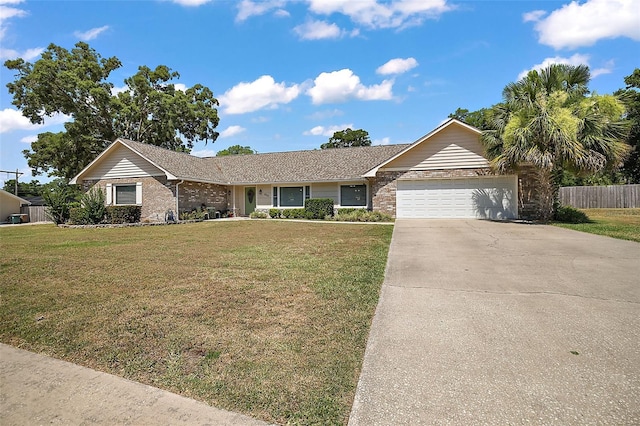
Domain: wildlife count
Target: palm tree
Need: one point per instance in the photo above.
(547, 121)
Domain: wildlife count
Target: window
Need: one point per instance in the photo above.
(125, 194)
(307, 192)
(275, 196)
(291, 196)
(353, 195)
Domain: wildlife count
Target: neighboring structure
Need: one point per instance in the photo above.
(10, 205)
(443, 174)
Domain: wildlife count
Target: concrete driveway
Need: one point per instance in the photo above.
(503, 323)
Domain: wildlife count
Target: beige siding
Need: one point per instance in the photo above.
(452, 148)
(263, 196)
(122, 163)
(8, 206)
(326, 190)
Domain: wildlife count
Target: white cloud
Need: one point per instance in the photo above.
(576, 59)
(533, 16)
(606, 69)
(29, 139)
(181, 87)
(119, 89)
(248, 8)
(6, 13)
(575, 25)
(90, 34)
(370, 13)
(327, 131)
(203, 153)
(27, 55)
(231, 131)
(397, 66)
(343, 85)
(383, 141)
(261, 93)
(191, 3)
(12, 119)
(316, 30)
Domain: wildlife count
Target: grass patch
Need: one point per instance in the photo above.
(265, 318)
(617, 223)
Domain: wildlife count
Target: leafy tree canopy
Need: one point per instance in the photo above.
(630, 96)
(479, 119)
(75, 83)
(547, 121)
(25, 189)
(236, 150)
(348, 138)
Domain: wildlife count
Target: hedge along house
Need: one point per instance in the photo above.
(443, 174)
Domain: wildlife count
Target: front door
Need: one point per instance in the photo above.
(249, 200)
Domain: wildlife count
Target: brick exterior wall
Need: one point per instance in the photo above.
(159, 195)
(194, 194)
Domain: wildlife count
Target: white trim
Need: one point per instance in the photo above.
(449, 122)
(109, 191)
(139, 193)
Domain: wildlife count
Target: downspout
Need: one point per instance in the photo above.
(177, 218)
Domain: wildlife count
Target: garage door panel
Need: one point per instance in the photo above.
(485, 197)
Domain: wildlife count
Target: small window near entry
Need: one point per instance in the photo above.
(353, 195)
(125, 194)
(275, 196)
(291, 196)
(307, 192)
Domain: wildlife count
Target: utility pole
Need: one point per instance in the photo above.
(18, 174)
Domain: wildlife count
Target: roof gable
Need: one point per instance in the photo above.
(452, 145)
(6, 194)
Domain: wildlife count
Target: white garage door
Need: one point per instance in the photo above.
(483, 197)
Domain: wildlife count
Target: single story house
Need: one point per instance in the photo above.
(11, 205)
(444, 174)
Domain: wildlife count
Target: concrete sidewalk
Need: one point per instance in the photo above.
(36, 389)
(502, 323)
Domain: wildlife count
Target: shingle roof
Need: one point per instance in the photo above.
(304, 166)
(179, 164)
(277, 167)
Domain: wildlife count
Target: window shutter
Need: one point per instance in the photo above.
(109, 191)
(139, 193)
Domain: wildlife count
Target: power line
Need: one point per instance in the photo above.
(17, 173)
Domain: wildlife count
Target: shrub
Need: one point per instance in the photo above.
(347, 210)
(275, 213)
(57, 196)
(195, 214)
(569, 214)
(78, 215)
(318, 208)
(294, 213)
(362, 215)
(93, 205)
(123, 214)
(258, 215)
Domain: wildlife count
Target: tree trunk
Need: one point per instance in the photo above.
(547, 194)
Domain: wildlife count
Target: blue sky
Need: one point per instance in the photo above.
(289, 73)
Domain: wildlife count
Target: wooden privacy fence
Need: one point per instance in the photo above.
(601, 197)
(36, 213)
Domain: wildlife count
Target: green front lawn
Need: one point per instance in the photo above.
(617, 223)
(266, 318)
